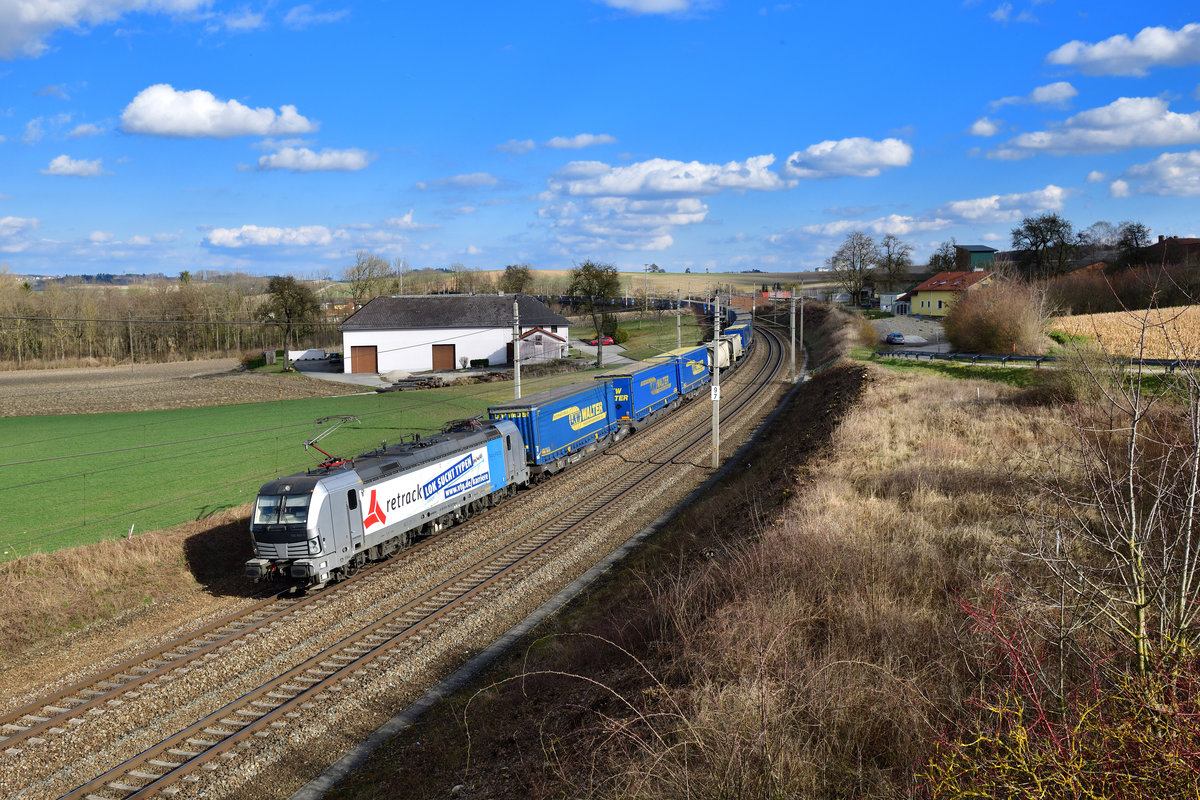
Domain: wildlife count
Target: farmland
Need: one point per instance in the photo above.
(1158, 333)
(75, 479)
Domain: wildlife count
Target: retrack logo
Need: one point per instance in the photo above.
(375, 514)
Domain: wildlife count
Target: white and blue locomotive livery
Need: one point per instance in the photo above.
(327, 523)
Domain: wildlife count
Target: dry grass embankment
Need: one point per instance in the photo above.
(48, 598)
(1155, 333)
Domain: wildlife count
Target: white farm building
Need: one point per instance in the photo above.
(427, 332)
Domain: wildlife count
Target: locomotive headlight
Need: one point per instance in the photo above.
(314, 546)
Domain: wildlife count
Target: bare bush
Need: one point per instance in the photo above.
(1008, 317)
(1120, 538)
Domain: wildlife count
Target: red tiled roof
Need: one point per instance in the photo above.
(950, 282)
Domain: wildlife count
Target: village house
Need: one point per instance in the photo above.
(935, 297)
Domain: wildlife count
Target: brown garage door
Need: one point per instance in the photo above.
(364, 359)
(443, 356)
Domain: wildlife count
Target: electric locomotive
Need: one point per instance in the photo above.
(327, 523)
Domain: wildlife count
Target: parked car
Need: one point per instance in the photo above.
(602, 340)
(895, 338)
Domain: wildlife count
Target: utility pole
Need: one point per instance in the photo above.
(678, 319)
(130, 318)
(516, 351)
(716, 383)
(801, 331)
(793, 316)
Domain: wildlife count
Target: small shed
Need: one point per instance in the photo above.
(540, 344)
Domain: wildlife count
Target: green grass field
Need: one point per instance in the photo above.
(72, 480)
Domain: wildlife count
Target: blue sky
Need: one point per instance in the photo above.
(272, 137)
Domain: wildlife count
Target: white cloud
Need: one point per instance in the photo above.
(893, 223)
(516, 147)
(620, 222)
(1118, 188)
(304, 16)
(1058, 93)
(28, 24)
(10, 226)
(301, 159)
(660, 177)
(1003, 14)
(1006, 207)
(1120, 55)
(13, 233)
(472, 180)
(242, 20)
(997, 208)
(857, 157)
(406, 223)
(86, 129)
(1124, 123)
(100, 237)
(65, 165)
(254, 236)
(161, 110)
(472, 250)
(1095, 176)
(1171, 175)
(1053, 93)
(651, 6)
(580, 141)
(984, 127)
(33, 131)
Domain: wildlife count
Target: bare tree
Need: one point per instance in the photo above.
(895, 261)
(592, 287)
(516, 278)
(1131, 238)
(944, 258)
(1119, 534)
(854, 263)
(1046, 244)
(369, 277)
(401, 269)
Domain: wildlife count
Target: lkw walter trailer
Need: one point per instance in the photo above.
(563, 425)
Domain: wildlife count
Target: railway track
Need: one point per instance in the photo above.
(225, 733)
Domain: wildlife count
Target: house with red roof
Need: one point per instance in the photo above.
(936, 296)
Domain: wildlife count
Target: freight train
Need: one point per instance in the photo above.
(327, 523)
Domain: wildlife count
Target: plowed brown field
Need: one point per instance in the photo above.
(184, 384)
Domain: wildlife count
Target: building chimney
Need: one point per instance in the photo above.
(1160, 237)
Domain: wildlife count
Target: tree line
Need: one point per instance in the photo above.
(164, 321)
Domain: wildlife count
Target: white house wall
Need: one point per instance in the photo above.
(412, 350)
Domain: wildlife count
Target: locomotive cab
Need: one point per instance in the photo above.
(284, 525)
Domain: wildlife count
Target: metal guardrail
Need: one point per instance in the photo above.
(1168, 364)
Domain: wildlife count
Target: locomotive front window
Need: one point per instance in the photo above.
(273, 509)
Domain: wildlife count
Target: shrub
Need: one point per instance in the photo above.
(1000, 318)
(253, 359)
(620, 336)
(480, 363)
